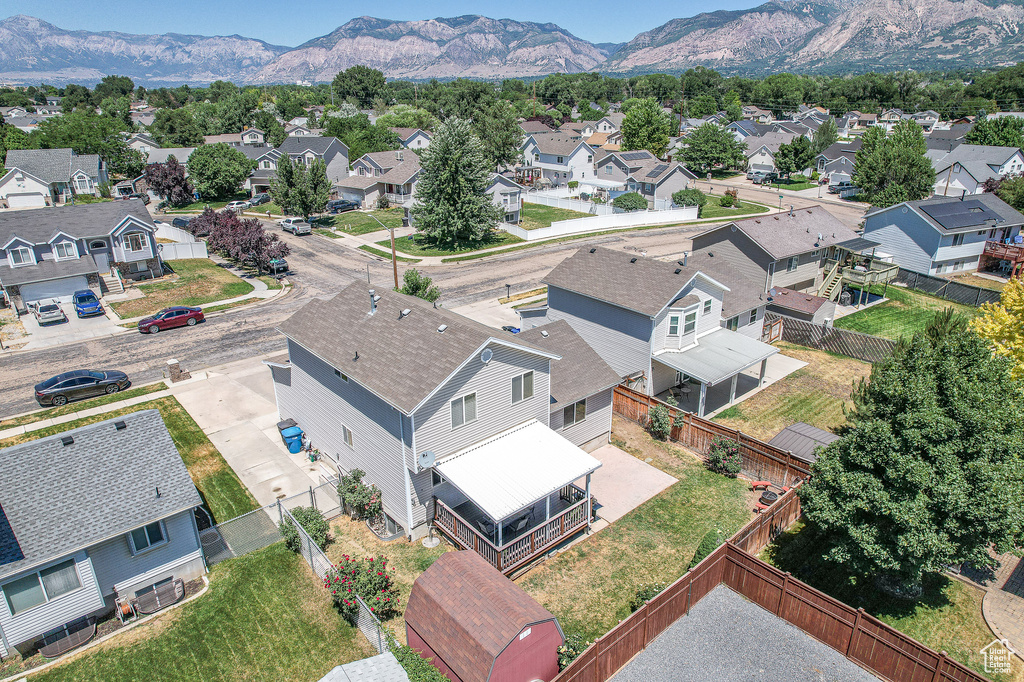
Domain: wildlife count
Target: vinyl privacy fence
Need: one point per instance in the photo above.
(178, 251)
(572, 204)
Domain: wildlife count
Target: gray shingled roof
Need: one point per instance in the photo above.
(949, 215)
(644, 285)
(557, 143)
(83, 220)
(788, 234)
(297, 144)
(534, 127)
(400, 359)
(770, 140)
(162, 155)
(581, 372)
(90, 163)
(396, 172)
(49, 165)
(976, 159)
(746, 289)
(381, 668)
(837, 149)
(803, 440)
(106, 484)
(46, 270)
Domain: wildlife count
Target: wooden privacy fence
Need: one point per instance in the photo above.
(761, 461)
(863, 639)
(832, 339)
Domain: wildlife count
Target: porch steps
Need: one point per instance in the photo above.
(112, 283)
(831, 285)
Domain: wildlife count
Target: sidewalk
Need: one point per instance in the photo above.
(109, 407)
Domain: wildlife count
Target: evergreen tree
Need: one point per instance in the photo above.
(301, 191)
(825, 136)
(500, 132)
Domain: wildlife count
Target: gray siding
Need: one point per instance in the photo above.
(805, 277)
(663, 341)
(663, 377)
(597, 424)
(733, 251)
(905, 236)
(751, 329)
(32, 623)
(114, 564)
(621, 337)
(713, 320)
(672, 184)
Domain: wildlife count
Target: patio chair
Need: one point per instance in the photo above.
(486, 527)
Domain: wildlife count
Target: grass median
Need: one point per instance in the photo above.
(78, 406)
(421, 246)
(195, 281)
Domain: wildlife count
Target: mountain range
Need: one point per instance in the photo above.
(797, 35)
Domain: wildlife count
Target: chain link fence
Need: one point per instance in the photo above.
(949, 290)
(833, 339)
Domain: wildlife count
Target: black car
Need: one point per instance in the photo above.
(138, 195)
(341, 205)
(261, 198)
(181, 223)
(81, 383)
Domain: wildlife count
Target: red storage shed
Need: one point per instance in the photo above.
(478, 626)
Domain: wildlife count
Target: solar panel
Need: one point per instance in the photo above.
(658, 170)
(635, 156)
(954, 215)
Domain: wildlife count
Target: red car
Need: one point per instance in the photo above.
(176, 316)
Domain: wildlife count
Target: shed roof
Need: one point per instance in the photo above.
(797, 300)
(381, 668)
(468, 612)
(802, 440)
(581, 372)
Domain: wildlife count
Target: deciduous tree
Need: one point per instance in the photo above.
(169, 182)
(500, 133)
(217, 170)
(416, 284)
(361, 83)
(1006, 131)
(891, 169)
(646, 126)
(709, 146)
(301, 191)
(1003, 324)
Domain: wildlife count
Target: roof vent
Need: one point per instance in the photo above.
(404, 313)
(67, 440)
(373, 301)
(678, 271)
(544, 333)
(440, 330)
(632, 260)
(593, 250)
(120, 426)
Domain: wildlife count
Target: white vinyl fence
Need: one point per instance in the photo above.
(604, 222)
(183, 250)
(572, 204)
(165, 231)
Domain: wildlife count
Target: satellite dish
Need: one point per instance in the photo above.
(426, 459)
(486, 356)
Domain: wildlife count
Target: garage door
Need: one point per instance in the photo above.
(60, 289)
(26, 200)
(350, 195)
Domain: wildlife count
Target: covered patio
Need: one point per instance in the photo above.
(709, 376)
(511, 497)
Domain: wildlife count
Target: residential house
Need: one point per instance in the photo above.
(298, 131)
(556, 158)
(12, 112)
(508, 194)
(447, 417)
(249, 136)
(413, 138)
(332, 151)
(642, 172)
(163, 155)
(264, 161)
(48, 177)
(116, 522)
(612, 123)
(581, 129)
(610, 142)
(54, 252)
(757, 114)
(889, 118)
(946, 139)
(142, 142)
(658, 325)
(392, 174)
(761, 150)
(943, 234)
(745, 128)
(53, 100)
(837, 162)
(927, 119)
(529, 127)
(144, 117)
(28, 122)
(968, 166)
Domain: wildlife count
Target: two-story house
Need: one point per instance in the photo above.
(612, 123)
(412, 138)
(836, 163)
(307, 148)
(391, 174)
(889, 118)
(968, 166)
(116, 521)
(658, 325)
(250, 136)
(761, 150)
(508, 194)
(449, 418)
(53, 252)
(943, 234)
(642, 172)
(558, 157)
(756, 114)
(49, 177)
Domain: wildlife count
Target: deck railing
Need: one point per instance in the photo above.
(879, 272)
(520, 551)
(1010, 252)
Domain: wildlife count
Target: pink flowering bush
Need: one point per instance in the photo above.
(371, 578)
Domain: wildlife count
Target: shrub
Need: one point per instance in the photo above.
(382, 202)
(364, 500)
(312, 521)
(371, 579)
(724, 456)
(726, 201)
(574, 646)
(735, 194)
(815, 176)
(630, 201)
(690, 197)
(708, 544)
(573, 184)
(659, 423)
(645, 593)
(104, 188)
(417, 668)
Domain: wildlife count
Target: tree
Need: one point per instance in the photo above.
(271, 127)
(244, 241)
(299, 191)
(893, 169)
(312, 521)
(1006, 131)
(1002, 324)
(690, 197)
(89, 133)
(630, 201)
(361, 83)
(500, 133)
(825, 136)
(454, 204)
(112, 86)
(176, 128)
(646, 126)
(711, 145)
(794, 156)
(374, 138)
(419, 285)
(405, 116)
(218, 170)
(931, 474)
(705, 105)
(1011, 190)
(169, 182)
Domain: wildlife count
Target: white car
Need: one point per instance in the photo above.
(48, 312)
(296, 226)
(237, 206)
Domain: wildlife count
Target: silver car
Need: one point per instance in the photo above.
(296, 226)
(48, 312)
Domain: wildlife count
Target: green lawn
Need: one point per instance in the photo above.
(223, 493)
(386, 253)
(715, 210)
(792, 185)
(198, 281)
(538, 215)
(590, 585)
(215, 205)
(71, 408)
(361, 222)
(905, 313)
(265, 617)
(947, 617)
(424, 247)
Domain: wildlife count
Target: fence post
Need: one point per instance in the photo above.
(782, 597)
(312, 500)
(856, 631)
(280, 513)
(977, 299)
(937, 675)
(942, 292)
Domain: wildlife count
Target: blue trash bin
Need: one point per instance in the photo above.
(292, 438)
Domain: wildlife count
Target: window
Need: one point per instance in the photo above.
(590, 158)
(147, 537)
(958, 265)
(21, 256)
(608, 169)
(38, 588)
(346, 435)
(536, 157)
(958, 239)
(97, 245)
(753, 316)
(707, 307)
(522, 387)
(436, 479)
(362, 171)
(64, 250)
(560, 160)
(690, 323)
(574, 414)
(673, 325)
(134, 241)
(464, 410)
(733, 323)
(341, 375)
(793, 263)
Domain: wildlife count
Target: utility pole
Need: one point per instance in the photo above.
(682, 100)
(394, 256)
(535, 99)
(415, 94)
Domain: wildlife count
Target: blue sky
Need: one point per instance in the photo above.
(292, 23)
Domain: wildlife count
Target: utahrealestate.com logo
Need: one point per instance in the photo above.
(998, 656)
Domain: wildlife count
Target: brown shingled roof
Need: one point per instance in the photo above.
(796, 300)
(468, 612)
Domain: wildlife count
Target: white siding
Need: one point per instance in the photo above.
(663, 377)
(597, 424)
(904, 236)
(751, 329)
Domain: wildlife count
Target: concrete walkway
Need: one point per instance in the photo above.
(81, 414)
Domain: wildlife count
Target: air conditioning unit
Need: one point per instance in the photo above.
(426, 459)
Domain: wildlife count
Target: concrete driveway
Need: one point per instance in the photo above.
(75, 329)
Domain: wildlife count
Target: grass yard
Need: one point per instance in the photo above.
(265, 617)
(223, 493)
(423, 247)
(905, 313)
(714, 210)
(409, 559)
(590, 585)
(947, 617)
(535, 216)
(386, 254)
(215, 205)
(793, 185)
(71, 408)
(195, 281)
(361, 222)
(976, 281)
(814, 394)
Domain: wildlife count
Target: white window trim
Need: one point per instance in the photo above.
(128, 242)
(347, 437)
(465, 421)
(46, 598)
(677, 317)
(708, 304)
(574, 420)
(687, 322)
(753, 316)
(792, 264)
(31, 257)
(131, 541)
(522, 385)
(74, 248)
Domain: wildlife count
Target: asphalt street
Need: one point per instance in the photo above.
(320, 268)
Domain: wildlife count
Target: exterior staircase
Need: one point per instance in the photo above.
(831, 284)
(112, 282)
